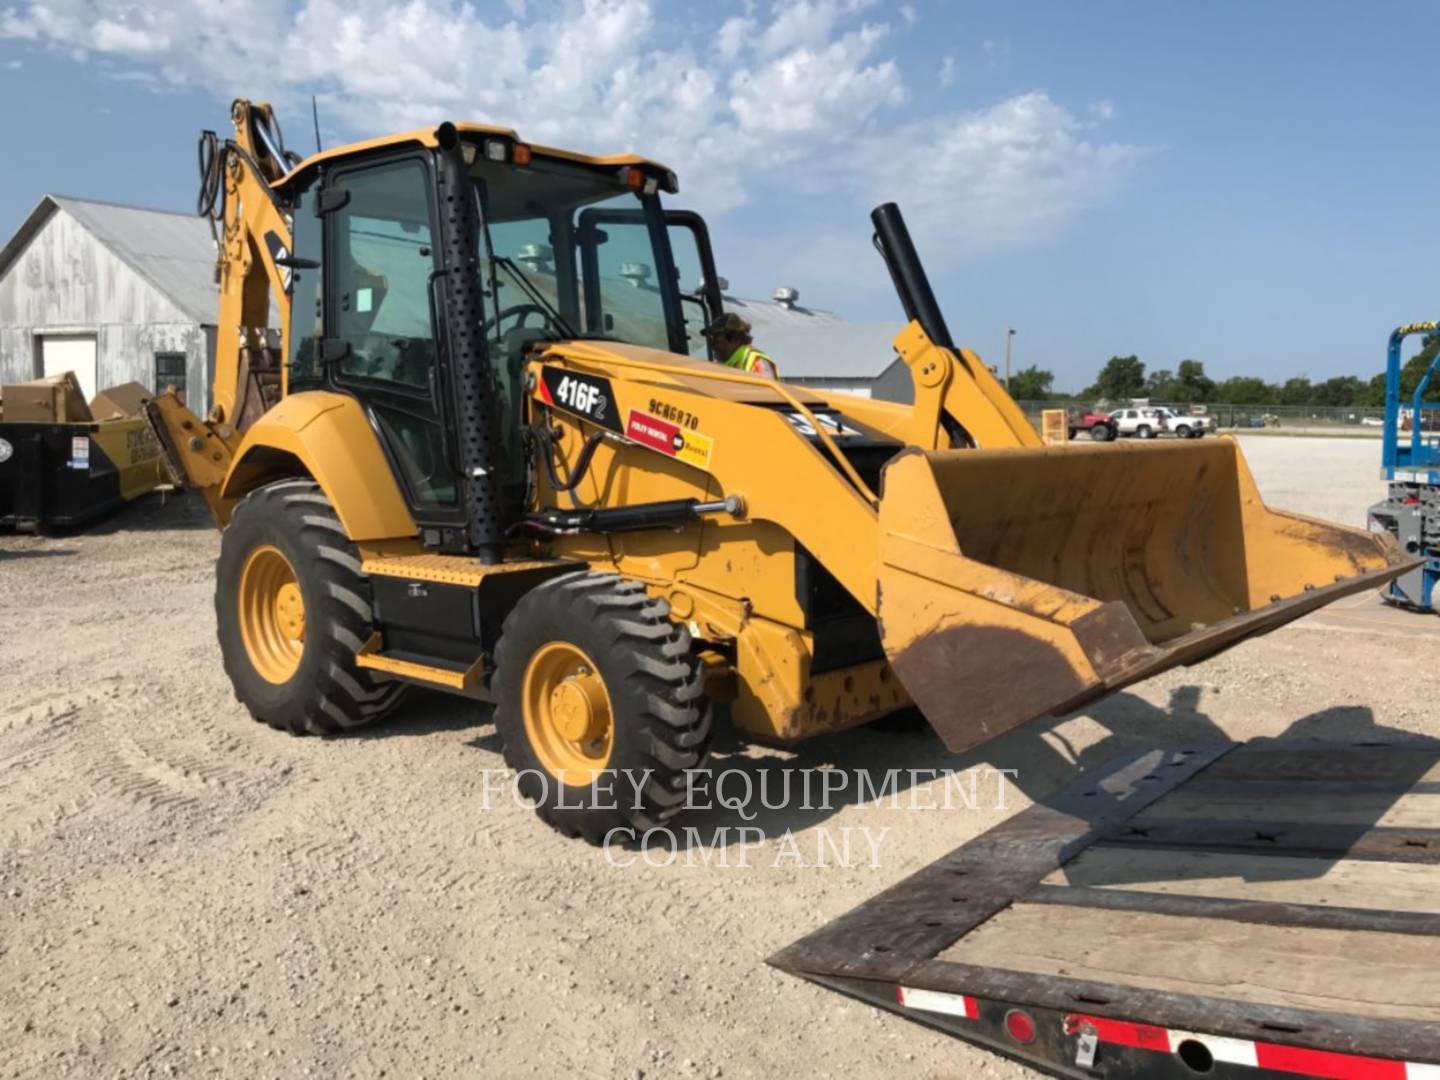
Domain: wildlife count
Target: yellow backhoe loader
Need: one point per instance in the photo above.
(485, 451)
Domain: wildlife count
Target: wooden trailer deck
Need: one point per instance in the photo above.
(1258, 909)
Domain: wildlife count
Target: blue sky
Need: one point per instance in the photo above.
(1248, 184)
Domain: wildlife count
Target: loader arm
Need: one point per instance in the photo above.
(957, 401)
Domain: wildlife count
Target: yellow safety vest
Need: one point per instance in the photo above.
(746, 357)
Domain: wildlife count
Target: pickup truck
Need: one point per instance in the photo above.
(1187, 427)
(1098, 425)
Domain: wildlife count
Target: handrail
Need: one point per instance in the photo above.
(1417, 445)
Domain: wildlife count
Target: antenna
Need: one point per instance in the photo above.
(315, 115)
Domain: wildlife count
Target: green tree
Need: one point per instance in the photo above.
(1245, 390)
(1121, 378)
(1373, 394)
(1193, 387)
(1032, 384)
(1415, 368)
(1341, 391)
(1297, 391)
(1162, 386)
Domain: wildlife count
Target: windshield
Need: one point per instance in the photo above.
(573, 253)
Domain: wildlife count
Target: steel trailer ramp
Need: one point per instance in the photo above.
(1234, 910)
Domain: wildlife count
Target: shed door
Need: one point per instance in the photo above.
(60, 353)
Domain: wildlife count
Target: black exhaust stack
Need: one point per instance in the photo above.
(892, 240)
(469, 361)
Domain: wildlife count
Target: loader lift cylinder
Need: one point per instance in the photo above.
(906, 271)
(469, 360)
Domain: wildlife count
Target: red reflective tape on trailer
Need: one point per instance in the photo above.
(1321, 1064)
(1121, 1032)
(1223, 1049)
(1326, 1064)
(937, 1002)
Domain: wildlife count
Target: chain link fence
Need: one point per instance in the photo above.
(1350, 419)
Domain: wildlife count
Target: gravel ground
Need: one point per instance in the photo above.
(185, 892)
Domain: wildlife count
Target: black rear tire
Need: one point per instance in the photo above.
(1183, 431)
(661, 720)
(326, 693)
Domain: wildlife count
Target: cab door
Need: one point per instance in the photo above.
(384, 342)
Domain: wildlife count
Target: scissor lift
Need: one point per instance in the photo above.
(1411, 466)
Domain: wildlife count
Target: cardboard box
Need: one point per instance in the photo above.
(56, 398)
(127, 399)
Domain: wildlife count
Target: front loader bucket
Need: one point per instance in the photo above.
(1022, 583)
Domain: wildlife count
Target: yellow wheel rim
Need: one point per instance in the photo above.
(568, 718)
(272, 614)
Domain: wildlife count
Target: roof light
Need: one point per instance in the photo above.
(651, 185)
(494, 150)
(469, 151)
(520, 154)
(631, 177)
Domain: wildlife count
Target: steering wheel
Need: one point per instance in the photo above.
(520, 312)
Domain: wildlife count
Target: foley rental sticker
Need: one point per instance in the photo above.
(688, 446)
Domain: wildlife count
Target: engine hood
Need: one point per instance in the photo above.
(636, 363)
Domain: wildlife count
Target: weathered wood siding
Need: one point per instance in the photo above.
(67, 280)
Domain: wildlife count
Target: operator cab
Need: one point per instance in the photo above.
(565, 248)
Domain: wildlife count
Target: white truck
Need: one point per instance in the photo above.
(1143, 422)
(1186, 427)
(1150, 421)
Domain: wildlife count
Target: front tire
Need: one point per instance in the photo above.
(292, 608)
(600, 704)
(1183, 431)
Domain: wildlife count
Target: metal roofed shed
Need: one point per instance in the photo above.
(115, 293)
(817, 348)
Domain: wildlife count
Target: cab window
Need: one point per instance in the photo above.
(383, 265)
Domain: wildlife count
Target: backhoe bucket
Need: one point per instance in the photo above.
(1020, 583)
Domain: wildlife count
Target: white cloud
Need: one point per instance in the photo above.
(785, 89)
(1102, 112)
(12, 65)
(1005, 176)
(733, 36)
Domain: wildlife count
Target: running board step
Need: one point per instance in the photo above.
(442, 674)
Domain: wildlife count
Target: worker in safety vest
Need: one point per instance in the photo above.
(730, 335)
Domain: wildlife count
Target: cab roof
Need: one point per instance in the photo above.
(428, 137)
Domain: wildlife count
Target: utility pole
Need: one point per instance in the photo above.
(1009, 337)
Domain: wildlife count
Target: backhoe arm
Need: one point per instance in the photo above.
(252, 240)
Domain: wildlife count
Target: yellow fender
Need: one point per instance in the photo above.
(333, 441)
